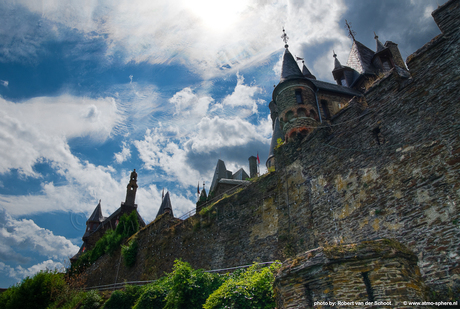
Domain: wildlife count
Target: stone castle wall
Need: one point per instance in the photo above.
(387, 166)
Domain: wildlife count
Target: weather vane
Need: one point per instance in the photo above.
(351, 33)
(285, 38)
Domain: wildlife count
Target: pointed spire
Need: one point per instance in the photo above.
(337, 64)
(306, 72)
(163, 194)
(380, 46)
(166, 206)
(289, 67)
(97, 216)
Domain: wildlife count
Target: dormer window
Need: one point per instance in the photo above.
(343, 81)
(298, 96)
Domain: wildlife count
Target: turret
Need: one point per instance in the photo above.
(295, 98)
(131, 190)
(166, 207)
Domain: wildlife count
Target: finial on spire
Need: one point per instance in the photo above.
(285, 38)
(351, 33)
(334, 54)
(375, 36)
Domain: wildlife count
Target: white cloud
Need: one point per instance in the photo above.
(26, 235)
(4, 83)
(189, 104)
(243, 96)
(123, 155)
(208, 37)
(38, 129)
(19, 272)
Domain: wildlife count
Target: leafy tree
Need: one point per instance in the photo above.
(36, 292)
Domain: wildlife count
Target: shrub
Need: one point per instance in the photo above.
(190, 288)
(124, 299)
(154, 294)
(36, 292)
(91, 300)
(252, 288)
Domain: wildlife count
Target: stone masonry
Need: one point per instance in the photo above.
(387, 166)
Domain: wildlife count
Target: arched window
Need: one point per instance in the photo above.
(301, 112)
(289, 115)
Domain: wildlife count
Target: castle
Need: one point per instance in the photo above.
(363, 202)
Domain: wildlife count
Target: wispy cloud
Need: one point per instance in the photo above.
(123, 155)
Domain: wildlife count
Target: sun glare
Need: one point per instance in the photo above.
(217, 15)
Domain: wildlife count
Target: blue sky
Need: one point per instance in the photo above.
(91, 89)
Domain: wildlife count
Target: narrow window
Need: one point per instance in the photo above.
(298, 96)
(327, 115)
(369, 289)
(343, 81)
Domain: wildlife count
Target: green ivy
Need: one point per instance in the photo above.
(129, 252)
(112, 239)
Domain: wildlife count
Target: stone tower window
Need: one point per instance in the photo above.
(326, 112)
(298, 96)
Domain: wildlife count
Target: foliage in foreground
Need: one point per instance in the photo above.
(252, 288)
(36, 292)
(184, 287)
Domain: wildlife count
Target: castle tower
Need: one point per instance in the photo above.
(252, 166)
(295, 99)
(131, 190)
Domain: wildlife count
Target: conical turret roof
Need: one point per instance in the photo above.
(337, 64)
(165, 205)
(360, 58)
(289, 67)
(97, 216)
(380, 46)
(306, 72)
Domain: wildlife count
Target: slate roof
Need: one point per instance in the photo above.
(360, 58)
(165, 204)
(306, 72)
(97, 214)
(289, 67)
(240, 175)
(219, 173)
(380, 46)
(335, 88)
(337, 64)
